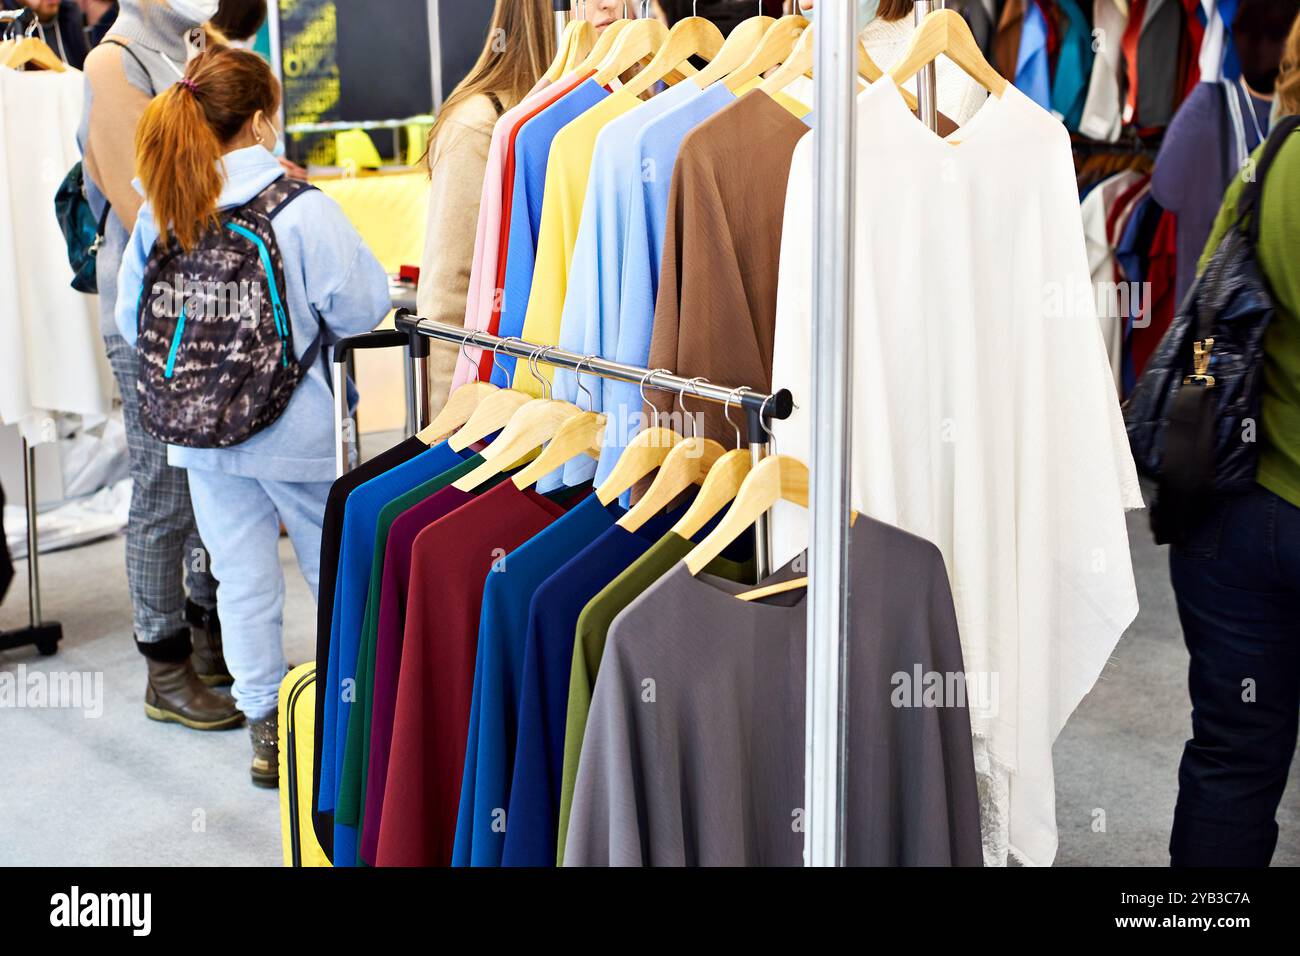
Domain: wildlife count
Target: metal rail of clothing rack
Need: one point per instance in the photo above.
(416, 334)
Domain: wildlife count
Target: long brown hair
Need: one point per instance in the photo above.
(187, 129)
(1288, 80)
(519, 48)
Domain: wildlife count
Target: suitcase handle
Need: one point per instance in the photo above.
(385, 339)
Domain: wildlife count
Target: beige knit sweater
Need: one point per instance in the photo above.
(459, 164)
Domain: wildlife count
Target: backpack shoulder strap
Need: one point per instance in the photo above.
(272, 200)
(1252, 196)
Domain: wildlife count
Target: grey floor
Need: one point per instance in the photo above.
(121, 790)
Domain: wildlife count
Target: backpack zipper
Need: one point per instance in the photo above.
(277, 308)
(176, 345)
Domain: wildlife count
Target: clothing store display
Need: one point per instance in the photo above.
(1073, 67)
(1198, 160)
(349, 806)
(1102, 117)
(458, 161)
(589, 647)
(330, 545)
(532, 151)
(481, 295)
(722, 249)
(553, 615)
(1033, 72)
(959, 480)
(498, 677)
(451, 560)
(1158, 62)
(661, 784)
(389, 635)
(52, 361)
(1101, 259)
(1279, 453)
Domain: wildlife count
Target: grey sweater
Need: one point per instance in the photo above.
(694, 748)
(156, 35)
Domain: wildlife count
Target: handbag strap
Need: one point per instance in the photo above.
(1248, 205)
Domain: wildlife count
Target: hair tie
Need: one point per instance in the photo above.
(190, 85)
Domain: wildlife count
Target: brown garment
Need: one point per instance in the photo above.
(716, 313)
(1006, 44)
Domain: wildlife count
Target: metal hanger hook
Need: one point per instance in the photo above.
(591, 400)
(535, 368)
(726, 411)
(694, 385)
(654, 414)
(496, 354)
(762, 423)
(464, 344)
(541, 357)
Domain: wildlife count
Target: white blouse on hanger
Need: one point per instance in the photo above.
(984, 417)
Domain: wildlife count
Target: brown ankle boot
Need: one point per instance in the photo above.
(176, 694)
(209, 661)
(266, 751)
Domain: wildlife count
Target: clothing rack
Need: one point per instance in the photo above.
(416, 333)
(45, 635)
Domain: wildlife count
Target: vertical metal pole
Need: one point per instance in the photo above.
(927, 95)
(33, 539)
(563, 10)
(419, 409)
(835, 149)
(344, 428)
(758, 437)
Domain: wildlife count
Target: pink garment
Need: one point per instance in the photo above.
(483, 276)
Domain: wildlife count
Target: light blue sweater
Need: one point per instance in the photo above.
(334, 288)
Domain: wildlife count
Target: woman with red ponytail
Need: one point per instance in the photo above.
(206, 164)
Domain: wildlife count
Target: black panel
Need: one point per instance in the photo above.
(383, 57)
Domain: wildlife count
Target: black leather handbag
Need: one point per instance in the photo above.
(1193, 417)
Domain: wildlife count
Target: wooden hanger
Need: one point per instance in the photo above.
(739, 47)
(637, 41)
(491, 415)
(693, 36)
(800, 64)
(577, 42)
(643, 454)
(532, 426)
(580, 435)
(460, 405)
(720, 488)
(777, 44)
(31, 53)
(777, 478)
(783, 587)
(688, 463)
(605, 43)
(946, 32)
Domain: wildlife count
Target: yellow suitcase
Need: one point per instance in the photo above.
(297, 716)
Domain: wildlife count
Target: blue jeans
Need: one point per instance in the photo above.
(239, 519)
(1237, 581)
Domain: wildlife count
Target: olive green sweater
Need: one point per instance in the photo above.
(1279, 464)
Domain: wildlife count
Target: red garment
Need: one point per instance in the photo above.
(1193, 37)
(1049, 10)
(507, 200)
(451, 560)
(1162, 269)
(1129, 46)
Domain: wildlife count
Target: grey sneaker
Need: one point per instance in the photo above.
(266, 751)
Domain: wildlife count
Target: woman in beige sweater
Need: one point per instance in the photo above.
(519, 48)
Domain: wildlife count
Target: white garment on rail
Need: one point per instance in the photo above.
(1101, 262)
(52, 358)
(984, 417)
(1103, 108)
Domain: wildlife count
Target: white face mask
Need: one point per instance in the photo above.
(195, 11)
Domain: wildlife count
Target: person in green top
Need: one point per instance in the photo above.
(1237, 579)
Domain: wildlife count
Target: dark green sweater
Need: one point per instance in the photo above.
(1279, 254)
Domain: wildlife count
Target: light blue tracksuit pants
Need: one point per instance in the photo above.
(239, 521)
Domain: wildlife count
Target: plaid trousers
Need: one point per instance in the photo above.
(163, 550)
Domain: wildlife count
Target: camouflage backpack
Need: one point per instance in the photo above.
(217, 361)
